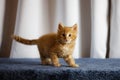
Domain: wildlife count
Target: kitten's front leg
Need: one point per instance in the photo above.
(55, 60)
(69, 59)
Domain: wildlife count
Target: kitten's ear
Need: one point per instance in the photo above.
(60, 26)
(75, 27)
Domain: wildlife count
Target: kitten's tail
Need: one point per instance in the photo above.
(24, 41)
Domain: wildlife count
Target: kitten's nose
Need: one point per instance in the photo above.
(65, 39)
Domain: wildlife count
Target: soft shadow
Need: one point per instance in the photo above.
(8, 27)
(85, 11)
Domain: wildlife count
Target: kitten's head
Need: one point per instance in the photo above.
(66, 34)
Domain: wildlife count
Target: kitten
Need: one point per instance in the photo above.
(55, 45)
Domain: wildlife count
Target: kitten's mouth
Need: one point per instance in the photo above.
(66, 41)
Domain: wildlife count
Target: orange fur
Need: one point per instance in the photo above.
(55, 45)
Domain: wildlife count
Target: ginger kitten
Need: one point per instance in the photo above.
(55, 45)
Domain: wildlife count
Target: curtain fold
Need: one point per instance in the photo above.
(8, 23)
(85, 28)
(2, 11)
(99, 30)
(115, 29)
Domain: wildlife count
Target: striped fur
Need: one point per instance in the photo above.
(24, 41)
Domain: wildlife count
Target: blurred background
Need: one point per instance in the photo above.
(98, 22)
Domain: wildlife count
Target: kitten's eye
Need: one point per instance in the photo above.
(69, 35)
(63, 35)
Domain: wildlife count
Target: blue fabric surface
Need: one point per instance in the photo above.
(31, 69)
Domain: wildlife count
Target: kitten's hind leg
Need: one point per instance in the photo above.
(46, 61)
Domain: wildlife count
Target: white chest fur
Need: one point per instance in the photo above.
(64, 50)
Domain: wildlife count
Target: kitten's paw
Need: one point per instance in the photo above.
(57, 65)
(75, 65)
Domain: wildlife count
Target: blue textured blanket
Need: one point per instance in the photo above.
(31, 69)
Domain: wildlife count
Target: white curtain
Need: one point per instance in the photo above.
(99, 29)
(115, 29)
(38, 17)
(105, 25)
(98, 21)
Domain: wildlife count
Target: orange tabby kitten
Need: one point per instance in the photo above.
(55, 45)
